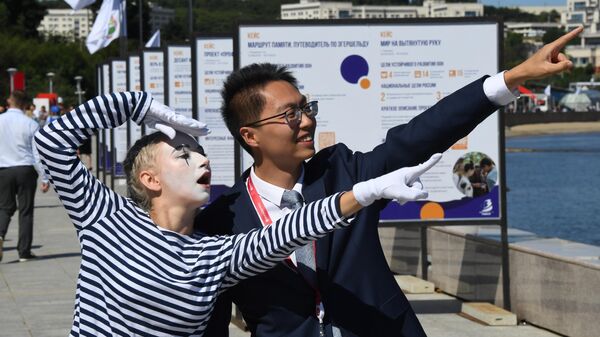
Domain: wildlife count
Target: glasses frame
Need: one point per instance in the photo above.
(311, 109)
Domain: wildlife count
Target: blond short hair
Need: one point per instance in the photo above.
(141, 156)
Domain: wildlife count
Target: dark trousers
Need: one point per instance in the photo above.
(19, 182)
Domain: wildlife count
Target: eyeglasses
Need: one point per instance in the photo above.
(293, 116)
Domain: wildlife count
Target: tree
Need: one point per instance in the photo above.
(21, 17)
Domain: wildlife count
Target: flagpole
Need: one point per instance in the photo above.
(123, 33)
(141, 18)
(190, 18)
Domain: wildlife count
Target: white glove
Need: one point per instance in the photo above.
(401, 185)
(165, 120)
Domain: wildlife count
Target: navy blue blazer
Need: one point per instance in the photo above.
(358, 290)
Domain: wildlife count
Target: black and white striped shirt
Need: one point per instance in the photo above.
(136, 278)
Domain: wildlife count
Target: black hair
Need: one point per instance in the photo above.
(486, 162)
(242, 99)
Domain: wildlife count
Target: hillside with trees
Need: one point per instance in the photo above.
(22, 47)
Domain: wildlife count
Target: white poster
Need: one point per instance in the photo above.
(153, 75)
(118, 75)
(133, 84)
(179, 79)
(370, 78)
(214, 62)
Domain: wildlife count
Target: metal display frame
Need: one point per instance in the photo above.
(113, 147)
(502, 220)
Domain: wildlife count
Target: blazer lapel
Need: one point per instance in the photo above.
(246, 217)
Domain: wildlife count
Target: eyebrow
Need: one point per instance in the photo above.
(287, 106)
(180, 147)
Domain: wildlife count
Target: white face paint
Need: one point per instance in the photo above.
(184, 171)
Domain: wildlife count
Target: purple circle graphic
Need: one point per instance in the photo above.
(353, 68)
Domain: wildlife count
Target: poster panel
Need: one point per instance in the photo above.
(133, 84)
(153, 75)
(213, 62)
(178, 79)
(118, 75)
(369, 77)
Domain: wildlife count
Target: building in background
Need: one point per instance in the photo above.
(73, 25)
(309, 9)
(159, 16)
(586, 13)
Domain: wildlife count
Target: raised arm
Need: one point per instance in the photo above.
(456, 115)
(260, 250)
(85, 198)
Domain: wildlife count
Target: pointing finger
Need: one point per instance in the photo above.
(417, 171)
(563, 40)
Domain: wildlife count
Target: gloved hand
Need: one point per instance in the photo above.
(401, 185)
(165, 120)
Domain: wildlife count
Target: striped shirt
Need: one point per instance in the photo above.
(136, 278)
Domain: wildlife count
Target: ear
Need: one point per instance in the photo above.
(150, 180)
(250, 136)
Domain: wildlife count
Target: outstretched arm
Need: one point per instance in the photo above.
(456, 115)
(260, 250)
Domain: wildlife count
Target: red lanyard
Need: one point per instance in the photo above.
(266, 220)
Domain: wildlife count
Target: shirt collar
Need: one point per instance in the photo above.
(271, 192)
(15, 110)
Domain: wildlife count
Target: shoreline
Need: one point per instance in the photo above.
(551, 129)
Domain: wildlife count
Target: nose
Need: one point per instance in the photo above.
(305, 121)
(202, 160)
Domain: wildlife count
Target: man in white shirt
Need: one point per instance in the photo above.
(341, 285)
(19, 170)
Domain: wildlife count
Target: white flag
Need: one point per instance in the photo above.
(154, 40)
(79, 4)
(106, 27)
(548, 90)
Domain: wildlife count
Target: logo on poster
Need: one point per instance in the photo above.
(354, 69)
(488, 207)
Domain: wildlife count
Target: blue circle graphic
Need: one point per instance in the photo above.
(353, 68)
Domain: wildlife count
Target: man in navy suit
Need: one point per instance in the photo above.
(341, 285)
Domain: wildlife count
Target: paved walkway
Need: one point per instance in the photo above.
(36, 297)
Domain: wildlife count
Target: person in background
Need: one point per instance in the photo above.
(478, 182)
(42, 116)
(489, 171)
(19, 171)
(145, 270)
(35, 112)
(342, 284)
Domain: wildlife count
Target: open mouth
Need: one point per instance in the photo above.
(307, 138)
(204, 179)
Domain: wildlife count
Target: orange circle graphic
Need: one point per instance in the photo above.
(365, 83)
(432, 210)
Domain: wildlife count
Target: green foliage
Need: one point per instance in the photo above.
(21, 17)
(515, 50)
(36, 58)
(516, 15)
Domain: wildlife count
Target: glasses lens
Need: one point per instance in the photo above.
(311, 109)
(293, 117)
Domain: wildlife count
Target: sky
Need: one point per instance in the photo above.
(503, 3)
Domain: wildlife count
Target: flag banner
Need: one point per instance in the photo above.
(79, 4)
(106, 27)
(154, 41)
